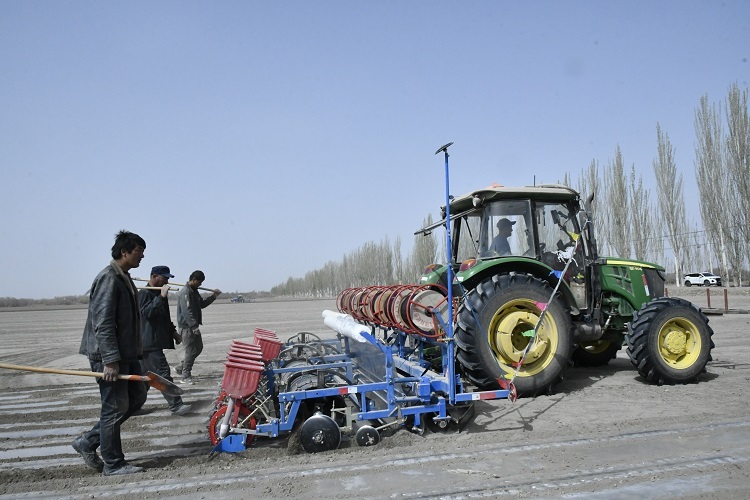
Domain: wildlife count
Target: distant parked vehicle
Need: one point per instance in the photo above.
(702, 279)
(239, 298)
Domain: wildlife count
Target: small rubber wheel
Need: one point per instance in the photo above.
(367, 435)
(436, 425)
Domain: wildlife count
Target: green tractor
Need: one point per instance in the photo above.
(511, 248)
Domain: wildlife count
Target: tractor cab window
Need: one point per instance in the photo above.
(468, 236)
(558, 236)
(506, 229)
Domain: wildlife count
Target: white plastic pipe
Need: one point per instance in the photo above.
(345, 325)
(224, 429)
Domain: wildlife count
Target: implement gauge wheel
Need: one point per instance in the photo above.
(494, 326)
(320, 433)
(669, 341)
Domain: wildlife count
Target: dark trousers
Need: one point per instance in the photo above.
(193, 343)
(156, 361)
(119, 401)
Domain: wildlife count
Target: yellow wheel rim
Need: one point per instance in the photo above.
(507, 339)
(679, 343)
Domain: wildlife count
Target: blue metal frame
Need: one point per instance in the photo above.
(429, 392)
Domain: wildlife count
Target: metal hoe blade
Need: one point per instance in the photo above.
(161, 384)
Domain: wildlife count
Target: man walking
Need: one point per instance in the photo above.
(158, 332)
(112, 342)
(189, 319)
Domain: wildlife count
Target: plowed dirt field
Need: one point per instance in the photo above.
(604, 433)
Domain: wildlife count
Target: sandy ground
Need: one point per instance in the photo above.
(604, 433)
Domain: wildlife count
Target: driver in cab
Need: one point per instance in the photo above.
(500, 243)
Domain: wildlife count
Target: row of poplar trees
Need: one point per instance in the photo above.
(652, 225)
(371, 264)
(631, 220)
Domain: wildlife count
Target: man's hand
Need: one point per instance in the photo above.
(111, 371)
(217, 292)
(176, 335)
(165, 291)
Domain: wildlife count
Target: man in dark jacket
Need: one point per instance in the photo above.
(112, 342)
(189, 319)
(158, 332)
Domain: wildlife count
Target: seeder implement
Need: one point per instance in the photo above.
(392, 364)
(372, 376)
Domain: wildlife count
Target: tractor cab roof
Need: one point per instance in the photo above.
(497, 192)
(475, 199)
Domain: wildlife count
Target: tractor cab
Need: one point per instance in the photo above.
(530, 229)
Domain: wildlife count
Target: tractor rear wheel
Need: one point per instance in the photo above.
(494, 326)
(669, 341)
(596, 353)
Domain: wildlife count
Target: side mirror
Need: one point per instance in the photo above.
(555, 217)
(583, 218)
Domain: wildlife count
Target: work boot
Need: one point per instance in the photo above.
(122, 470)
(182, 410)
(82, 447)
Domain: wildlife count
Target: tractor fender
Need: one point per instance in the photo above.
(520, 265)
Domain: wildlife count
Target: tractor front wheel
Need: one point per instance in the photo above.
(495, 325)
(669, 341)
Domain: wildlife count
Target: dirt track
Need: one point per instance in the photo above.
(604, 433)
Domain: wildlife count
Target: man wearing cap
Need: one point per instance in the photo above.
(158, 331)
(504, 230)
(189, 318)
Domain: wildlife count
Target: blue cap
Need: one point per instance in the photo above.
(162, 270)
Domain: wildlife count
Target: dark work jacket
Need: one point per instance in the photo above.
(156, 322)
(113, 325)
(189, 305)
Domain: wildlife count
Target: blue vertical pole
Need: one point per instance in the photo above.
(449, 327)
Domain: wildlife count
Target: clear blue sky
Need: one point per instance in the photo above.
(258, 140)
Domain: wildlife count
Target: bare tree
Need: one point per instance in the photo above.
(671, 200)
(641, 217)
(700, 251)
(590, 183)
(618, 212)
(738, 163)
(423, 254)
(398, 263)
(713, 183)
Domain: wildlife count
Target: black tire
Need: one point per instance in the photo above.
(688, 283)
(596, 353)
(487, 353)
(669, 341)
(706, 283)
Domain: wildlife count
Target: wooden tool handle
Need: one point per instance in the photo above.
(60, 371)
